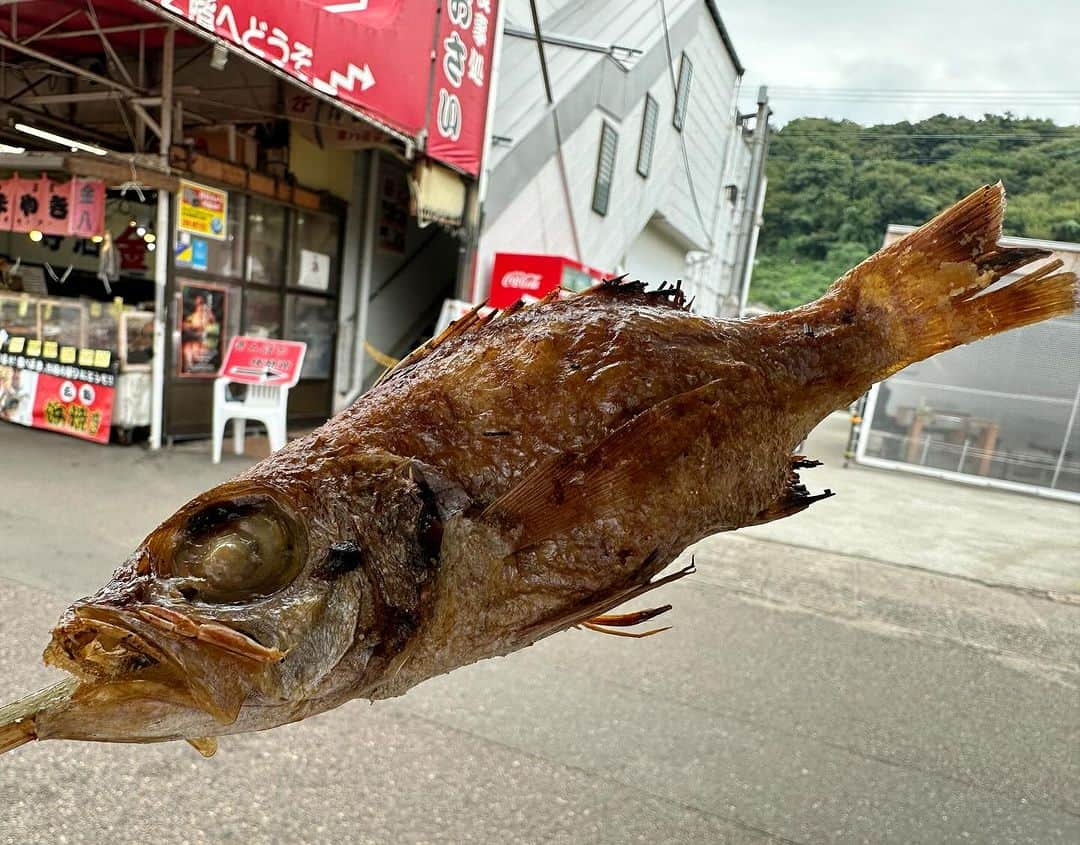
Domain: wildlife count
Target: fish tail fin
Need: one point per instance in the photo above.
(928, 292)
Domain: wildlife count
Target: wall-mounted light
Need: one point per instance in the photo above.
(70, 143)
(219, 57)
(150, 247)
(149, 237)
(140, 231)
(97, 239)
(36, 236)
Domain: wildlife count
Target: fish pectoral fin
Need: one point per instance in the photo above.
(205, 745)
(586, 617)
(628, 620)
(634, 634)
(605, 622)
(576, 488)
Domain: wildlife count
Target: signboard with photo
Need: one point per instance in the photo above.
(203, 309)
(202, 211)
(66, 390)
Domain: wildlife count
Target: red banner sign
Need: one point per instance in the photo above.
(462, 71)
(66, 398)
(76, 207)
(87, 208)
(260, 360)
(374, 55)
(517, 276)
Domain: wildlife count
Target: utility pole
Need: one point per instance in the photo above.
(748, 221)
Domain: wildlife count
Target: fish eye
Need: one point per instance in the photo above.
(235, 552)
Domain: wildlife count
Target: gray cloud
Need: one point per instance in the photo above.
(1019, 50)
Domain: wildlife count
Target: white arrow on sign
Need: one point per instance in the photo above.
(265, 373)
(345, 8)
(347, 81)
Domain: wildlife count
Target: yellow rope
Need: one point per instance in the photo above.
(380, 358)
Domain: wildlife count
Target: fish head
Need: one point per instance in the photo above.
(241, 611)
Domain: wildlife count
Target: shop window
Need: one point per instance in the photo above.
(682, 93)
(315, 259)
(605, 168)
(313, 320)
(218, 257)
(266, 242)
(648, 135)
(262, 313)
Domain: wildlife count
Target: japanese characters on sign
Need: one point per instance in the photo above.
(75, 207)
(260, 360)
(87, 208)
(374, 56)
(463, 64)
(64, 390)
(202, 211)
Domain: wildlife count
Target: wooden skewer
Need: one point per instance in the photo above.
(17, 718)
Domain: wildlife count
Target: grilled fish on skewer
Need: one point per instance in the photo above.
(520, 475)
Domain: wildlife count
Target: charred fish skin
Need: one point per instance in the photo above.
(521, 474)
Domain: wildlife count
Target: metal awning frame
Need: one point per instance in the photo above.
(131, 93)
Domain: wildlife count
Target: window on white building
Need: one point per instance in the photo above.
(648, 135)
(605, 168)
(682, 95)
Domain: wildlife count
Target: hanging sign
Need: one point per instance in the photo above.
(28, 200)
(56, 219)
(462, 74)
(202, 211)
(87, 215)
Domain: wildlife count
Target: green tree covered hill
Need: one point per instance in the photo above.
(835, 185)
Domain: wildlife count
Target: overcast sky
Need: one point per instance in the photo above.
(1020, 52)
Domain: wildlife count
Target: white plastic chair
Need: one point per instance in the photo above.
(263, 403)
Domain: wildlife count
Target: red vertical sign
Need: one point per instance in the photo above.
(462, 75)
(8, 188)
(87, 217)
(374, 56)
(28, 204)
(56, 208)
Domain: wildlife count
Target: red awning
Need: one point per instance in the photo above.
(374, 57)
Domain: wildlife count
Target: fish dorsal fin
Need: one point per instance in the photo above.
(626, 288)
(577, 487)
(472, 320)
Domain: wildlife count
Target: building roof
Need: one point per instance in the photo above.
(1068, 252)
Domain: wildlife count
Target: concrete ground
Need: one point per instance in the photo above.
(804, 694)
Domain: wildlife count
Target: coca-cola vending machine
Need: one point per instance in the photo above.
(517, 276)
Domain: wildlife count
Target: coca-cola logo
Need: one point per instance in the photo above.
(520, 280)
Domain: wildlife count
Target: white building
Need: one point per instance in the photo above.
(641, 164)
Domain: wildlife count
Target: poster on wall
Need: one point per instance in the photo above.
(393, 211)
(202, 211)
(314, 270)
(202, 326)
(39, 390)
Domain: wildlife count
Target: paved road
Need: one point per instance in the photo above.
(802, 696)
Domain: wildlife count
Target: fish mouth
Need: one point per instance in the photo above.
(154, 651)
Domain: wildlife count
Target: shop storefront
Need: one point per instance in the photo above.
(250, 264)
(228, 175)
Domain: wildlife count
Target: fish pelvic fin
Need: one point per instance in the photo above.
(936, 289)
